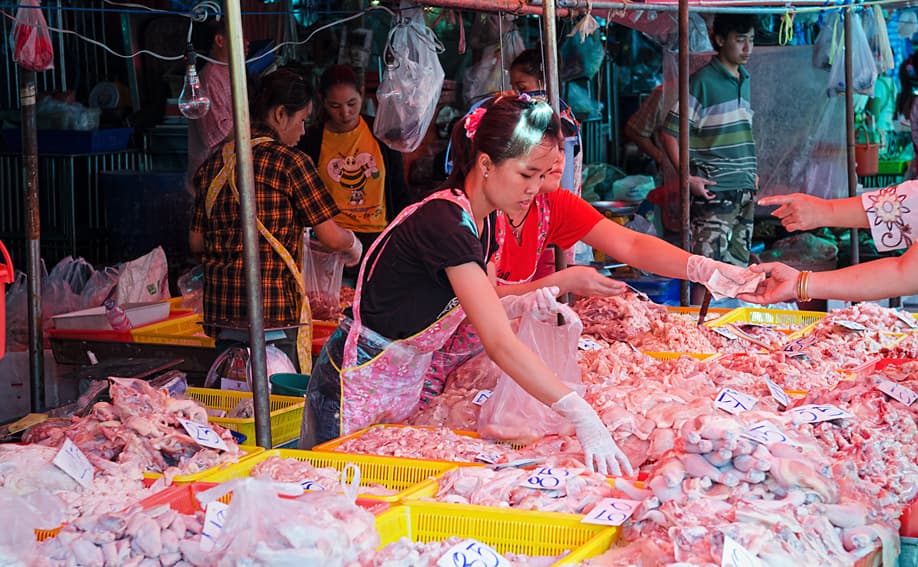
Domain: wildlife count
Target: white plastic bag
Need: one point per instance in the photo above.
(879, 39)
(863, 67)
(409, 93)
(511, 413)
(144, 279)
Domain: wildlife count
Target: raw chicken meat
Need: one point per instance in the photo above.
(406, 553)
(424, 443)
(318, 478)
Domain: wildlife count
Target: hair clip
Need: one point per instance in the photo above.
(472, 120)
(525, 97)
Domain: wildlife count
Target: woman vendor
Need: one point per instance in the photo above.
(289, 196)
(427, 272)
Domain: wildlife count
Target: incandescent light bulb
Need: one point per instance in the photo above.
(193, 102)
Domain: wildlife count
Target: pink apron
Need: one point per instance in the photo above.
(500, 232)
(387, 387)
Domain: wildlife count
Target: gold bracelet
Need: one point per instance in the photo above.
(803, 286)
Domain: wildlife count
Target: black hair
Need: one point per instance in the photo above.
(726, 23)
(339, 75)
(203, 33)
(510, 128)
(283, 87)
(530, 62)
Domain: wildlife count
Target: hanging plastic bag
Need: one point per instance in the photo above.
(31, 39)
(582, 58)
(144, 279)
(409, 93)
(829, 41)
(863, 67)
(191, 286)
(322, 273)
(513, 414)
(879, 40)
(231, 370)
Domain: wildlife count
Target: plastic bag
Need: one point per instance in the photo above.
(231, 370)
(409, 92)
(829, 41)
(632, 188)
(22, 515)
(191, 286)
(98, 287)
(144, 279)
(863, 67)
(582, 58)
(581, 102)
(32, 47)
(879, 39)
(511, 413)
(322, 273)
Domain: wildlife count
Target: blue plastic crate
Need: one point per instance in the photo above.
(72, 141)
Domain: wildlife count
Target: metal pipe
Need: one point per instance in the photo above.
(726, 7)
(251, 259)
(33, 235)
(849, 130)
(684, 286)
(516, 7)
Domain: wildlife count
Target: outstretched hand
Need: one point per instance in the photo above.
(798, 211)
(780, 284)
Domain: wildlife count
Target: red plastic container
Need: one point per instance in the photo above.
(7, 275)
(909, 521)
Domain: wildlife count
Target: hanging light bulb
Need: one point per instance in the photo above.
(193, 102)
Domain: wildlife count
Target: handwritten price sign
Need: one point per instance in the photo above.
(472, 553)
(816, 413)
(907, 318)
(611, 512)
(735, 555)
(489, 459)
(766, 432)
(726, 333)
(897, 392)
(214, 519)
(797, 347)
(481, 397)
(203, 435)
(734, 402)
(851, 325)
(311, 485)
(586, 343)
(73, 462)
(778, 393)
(547, 479)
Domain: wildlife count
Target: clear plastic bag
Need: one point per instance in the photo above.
(191, 286)
(322, 273)
(863, 66)
(32, 47)
(511, 413)
(582, 58)
(827, 45)
(409, 92)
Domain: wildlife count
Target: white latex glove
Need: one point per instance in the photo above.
(602, 454)
(353, 253)
(541, 302)
(700, 269)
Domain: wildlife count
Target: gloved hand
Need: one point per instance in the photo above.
(542, 302)
(353, 253)
(602, 454)
(700, 269)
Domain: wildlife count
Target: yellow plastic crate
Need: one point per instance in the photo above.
(247, 453)
(793, 320)
(402, 475)
(693, 311)
(507, 531)
(286, 413)
(184, 331)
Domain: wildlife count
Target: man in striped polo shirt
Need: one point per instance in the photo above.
(723, 164)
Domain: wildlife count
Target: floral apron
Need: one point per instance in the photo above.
(387, 387)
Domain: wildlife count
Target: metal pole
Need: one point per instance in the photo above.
(849, 129)
(33, 239)
(251, 258)
(771, 7)
(684, 286)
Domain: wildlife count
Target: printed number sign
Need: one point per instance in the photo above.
(472, 553)
(586, 343)
(816, 413)
(765, 432)
(203, 435)
(73, 462)
(851, 325)
(489, 459)
(897, 391)
(214, 518)
(611, 512)
(735, 555)
(726, 333)
(311, 485)
(778, 393)
(547, 478)
(734, 402)
(481, 397)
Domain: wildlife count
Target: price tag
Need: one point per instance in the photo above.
(851, 325)
(489, 459)
(586, 343)
(897, 392)
(799, 345)
(735, 555)
(547, 478)
(472, 553)
(233, 385)
(777, 393)
(73, 462)
(214, 518)
(203, 435)
(725, 332)
(734, 402)
(816, 413)
(907, 318)
(766, 432)
(311, 485)
(481, 397)
(611, 512)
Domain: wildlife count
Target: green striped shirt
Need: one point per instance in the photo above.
(720, 127)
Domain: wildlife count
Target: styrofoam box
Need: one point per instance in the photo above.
(139, 314)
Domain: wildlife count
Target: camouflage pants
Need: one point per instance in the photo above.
(722, 227)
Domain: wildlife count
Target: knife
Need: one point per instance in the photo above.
(705, 303)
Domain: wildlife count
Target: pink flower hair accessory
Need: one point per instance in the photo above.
(472, 120)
